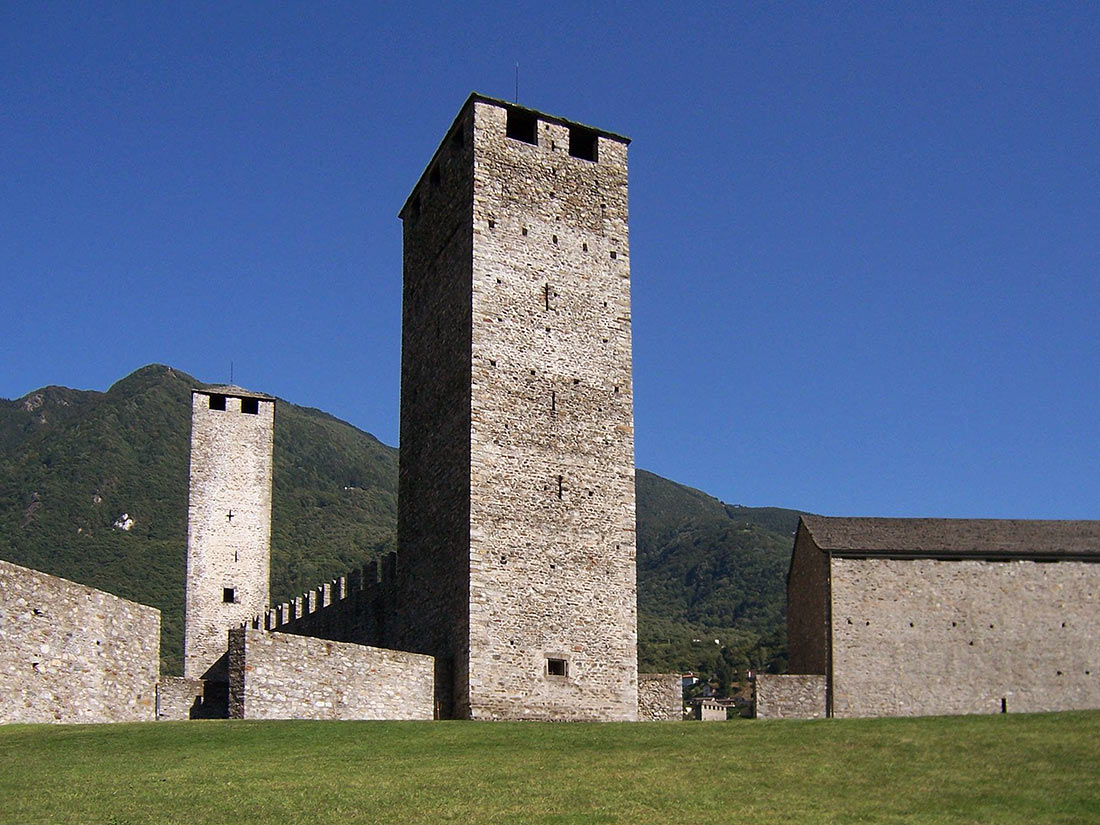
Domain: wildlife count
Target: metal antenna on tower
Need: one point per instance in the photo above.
(517, 83)
(230, 371)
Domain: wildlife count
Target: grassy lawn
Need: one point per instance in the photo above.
(988, 769)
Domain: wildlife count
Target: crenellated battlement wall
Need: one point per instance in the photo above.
(357, 607)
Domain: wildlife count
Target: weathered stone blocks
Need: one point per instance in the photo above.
(789, 696)
(516, 522)
(281, 676)
(70, 653)
(660, 697)
(228, 521)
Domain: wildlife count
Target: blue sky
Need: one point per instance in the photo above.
(864, 237)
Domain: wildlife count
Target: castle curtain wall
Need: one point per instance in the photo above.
(70, 653)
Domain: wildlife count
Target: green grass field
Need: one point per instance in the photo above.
(990, 769)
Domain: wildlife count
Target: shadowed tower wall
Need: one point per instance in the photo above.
(228, 521)
(516, 519)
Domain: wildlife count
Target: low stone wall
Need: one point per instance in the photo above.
(283, 676)
(660, 697)
(178, 697)
(790, 696)
(70, 653)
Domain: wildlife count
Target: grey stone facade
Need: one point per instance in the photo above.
(516, 499)
(660, 697)
(907, 617)
(70, 653)
(789, 696)
(281, 676)
(228, 521)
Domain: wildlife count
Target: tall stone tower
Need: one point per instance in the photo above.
(516, 525)
(228, 521)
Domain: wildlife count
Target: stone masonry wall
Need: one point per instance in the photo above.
(281, 676)
(228, 522)
(807, 606)
(516, 501)
(178, 697)
(358, 607)
(70, 653)
(925, 636)
(660, 697)
(790, 696)
(433, 516)
(552, 518)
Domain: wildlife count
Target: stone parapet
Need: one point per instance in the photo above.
(282, 676)
(789, 696)
(178, 697)
(660, 697)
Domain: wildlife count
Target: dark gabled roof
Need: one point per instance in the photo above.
(233, 390)
(955, 537)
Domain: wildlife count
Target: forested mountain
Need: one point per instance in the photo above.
(93, 487)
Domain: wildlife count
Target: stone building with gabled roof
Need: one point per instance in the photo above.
(909, 617)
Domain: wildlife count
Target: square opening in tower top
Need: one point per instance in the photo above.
(250, 406)
(557, 667)
(523, 126)
(583, 143)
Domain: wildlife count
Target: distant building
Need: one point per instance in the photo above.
(710, 710)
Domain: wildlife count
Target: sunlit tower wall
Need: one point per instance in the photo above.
(516, 525)
(228, 521)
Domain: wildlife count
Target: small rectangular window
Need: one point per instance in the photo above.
(229, 595)
(251, 406)
(217, 402)
(583, 143)
(557, 667)
(523, 126)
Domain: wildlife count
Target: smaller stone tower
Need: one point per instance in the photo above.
(228, 521)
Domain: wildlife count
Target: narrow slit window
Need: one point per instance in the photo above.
(229, 595)
(557, 667)
(523, 126)
(546, 295)
(553, 402)
(560, 487)
(217, 402)
(583, 143)
(250, 406)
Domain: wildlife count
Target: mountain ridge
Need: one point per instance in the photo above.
(75, 465)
